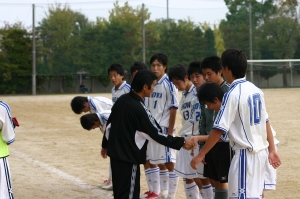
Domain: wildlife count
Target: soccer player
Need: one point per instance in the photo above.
(244, 120)
(95, 120)
(116, 75)
(137, 66)
(128, 128)
(7, 133)
(81, 104)
(197, 77)
(163, 104)
(189, 107)
(219, 157)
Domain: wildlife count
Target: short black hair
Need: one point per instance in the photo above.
(141, 78)
(207, 92)
(119, 68)
(178, 72)
(77, 104)
(236, 61)
(138, 65)
(161, 58)
(88, 120)
(213, 63)
(195, 67)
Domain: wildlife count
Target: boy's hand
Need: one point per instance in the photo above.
(188, 144)
(196, 160)
(104, 153)
(274, 159)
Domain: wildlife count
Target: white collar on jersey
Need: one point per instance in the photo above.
(237, 81)
(162, 78)
(122, 85)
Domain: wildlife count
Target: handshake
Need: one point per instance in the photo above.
(190, 143)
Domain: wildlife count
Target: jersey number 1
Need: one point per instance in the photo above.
(254, 104)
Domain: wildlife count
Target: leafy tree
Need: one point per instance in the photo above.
(268, 71)
(236, 28)
(15, 60)
(123, 34)
(278, 36)
(210, 42)
(58, 31)
(219, 42)
(182, 42)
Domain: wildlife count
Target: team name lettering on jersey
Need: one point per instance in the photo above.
(156, 95)
(186, 105)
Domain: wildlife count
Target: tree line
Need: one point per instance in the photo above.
(67, 42)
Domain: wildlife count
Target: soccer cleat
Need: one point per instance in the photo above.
(145, 194)
(152, 196)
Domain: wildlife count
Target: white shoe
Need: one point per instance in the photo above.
(163, 194)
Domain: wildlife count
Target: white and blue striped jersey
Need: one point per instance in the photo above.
(163, 98)
(103, 117)
(243, 117)
(190, 111)
(99, 104)
(116, 93)
(6, 124)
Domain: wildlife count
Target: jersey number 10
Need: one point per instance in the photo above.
(254, 104)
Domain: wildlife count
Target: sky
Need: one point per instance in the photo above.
(199, 11)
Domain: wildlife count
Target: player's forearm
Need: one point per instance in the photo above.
(270, 137)
(212, 139)
(172, 120)
(201, 138)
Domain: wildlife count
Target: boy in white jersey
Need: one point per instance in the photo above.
(189, 107)
(7, 134)
(244, 120)
(163, 105)
(95, 120)
(81, 104)
(116, 75)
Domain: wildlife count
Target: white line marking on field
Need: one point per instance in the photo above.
(58, 172)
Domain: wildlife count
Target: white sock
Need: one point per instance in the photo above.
(192, 191)
(173, 182)
(164, 180)
(155, 180)
(109, 174)
(208, 192)
(148, 179)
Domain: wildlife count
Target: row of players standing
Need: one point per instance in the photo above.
(162, 182)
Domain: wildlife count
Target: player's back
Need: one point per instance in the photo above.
(162, 99)
(99, 104)
(243, 107)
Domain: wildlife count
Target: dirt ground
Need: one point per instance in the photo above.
(53, 157)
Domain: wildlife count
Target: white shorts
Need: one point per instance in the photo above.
(183, 167)
(160, 154)
(270, 176)
(5, 180)
(247, 174)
